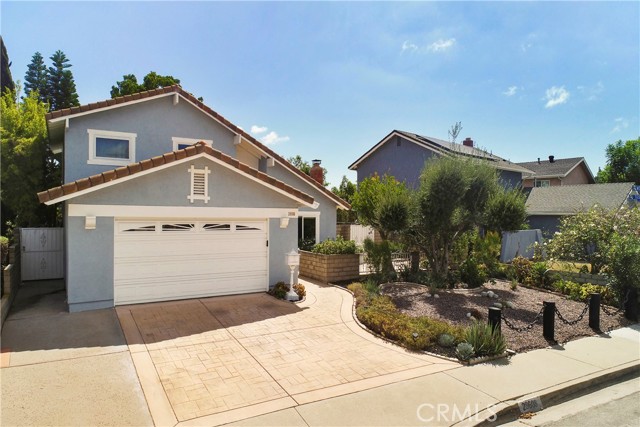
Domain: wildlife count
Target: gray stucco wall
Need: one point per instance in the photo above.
(89, 269)
(510, 179)
(155, 122)
(281, 241)
(547, 223)
(405, 161)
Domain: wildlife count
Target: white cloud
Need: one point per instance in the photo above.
(511, 91)
(592, 92)
(556, 96)
(620, 123)
(273, 138)
(258, 129)
(407, 45)
(441, 45)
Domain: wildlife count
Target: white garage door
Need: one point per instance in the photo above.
(177, 259)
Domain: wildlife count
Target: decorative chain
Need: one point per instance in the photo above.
(615, 312)
(579, 318)
(525, 328)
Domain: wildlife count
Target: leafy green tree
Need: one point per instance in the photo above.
(505, 211)
(6, 81)
(450, 200)
(623, 162)
(23, 136)
(587, 236)
(61, 87)
(305, 167)
(624, 263)
(346, 191)
(35, 80)
(129, 84)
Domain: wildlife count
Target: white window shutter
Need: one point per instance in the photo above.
(199, 184)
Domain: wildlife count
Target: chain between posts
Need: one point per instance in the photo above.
(615, 312)
(579, 318)
(523, 328)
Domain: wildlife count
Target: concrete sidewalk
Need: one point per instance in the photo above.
(469, 395)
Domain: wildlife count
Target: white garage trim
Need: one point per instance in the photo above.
(170, 259)
(178, 212)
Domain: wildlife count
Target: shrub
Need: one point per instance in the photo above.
(279, 290)
(4, 249)
(379, 258)
(446, 340)
(485, 340)
(335, 247)
(464, 351)
(538, 273)
(581, 291)
(624, 268)
(472, 273)
(306, 244)
(300, 290)
(522, 269)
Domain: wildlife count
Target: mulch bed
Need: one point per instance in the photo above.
(453, 305)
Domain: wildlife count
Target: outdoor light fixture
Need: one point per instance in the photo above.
(89, 222)
(293, 260)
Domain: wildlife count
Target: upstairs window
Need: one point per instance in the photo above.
(180, 143)
(111, 148)
(543, 183)
(199, 184)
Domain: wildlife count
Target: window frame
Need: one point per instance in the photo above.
(542, 183)
(178, 140)
(111, 161)
(314, 215)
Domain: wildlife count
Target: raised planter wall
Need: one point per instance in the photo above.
(10, 282)
(329, 268)
(594, 279)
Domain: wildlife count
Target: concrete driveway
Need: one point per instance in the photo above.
(217, 360)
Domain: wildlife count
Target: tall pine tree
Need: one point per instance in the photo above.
(61, 88)
(35, 80)
(6, 82)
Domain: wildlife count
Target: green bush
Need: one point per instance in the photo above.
(306, 244)
(624, 268)
(473, 273)
(485, 340)
(379, 258)
(335, 247)
(279, 290)
(539, 273)
(522, 269)
(4, 249)
(581, 291)
(464, 351)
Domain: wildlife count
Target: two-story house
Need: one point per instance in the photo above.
(166, 199)
(403, 155)
(555, 172)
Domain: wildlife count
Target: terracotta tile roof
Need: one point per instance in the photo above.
(132, 169)
(178, 89)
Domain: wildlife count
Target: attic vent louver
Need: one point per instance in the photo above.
(199, 184)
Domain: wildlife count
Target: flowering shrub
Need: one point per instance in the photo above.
(335, 247)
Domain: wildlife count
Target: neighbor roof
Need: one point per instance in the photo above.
(58, 117)
(559, 168)
(445, 148)
(94, 182)
(569, 199)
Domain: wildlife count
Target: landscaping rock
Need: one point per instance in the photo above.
(497, 305)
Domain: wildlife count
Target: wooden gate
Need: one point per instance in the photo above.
(42, 253)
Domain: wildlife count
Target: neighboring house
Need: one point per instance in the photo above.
(166, 199)
(403, 155)
(547, 205)
(554, 172)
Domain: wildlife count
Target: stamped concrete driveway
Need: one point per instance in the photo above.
(218, 360)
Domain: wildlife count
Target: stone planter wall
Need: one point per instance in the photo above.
(594, 279)
(329, 268)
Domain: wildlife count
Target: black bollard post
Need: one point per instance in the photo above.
(548, 320)
(495, 317)
(631, 307)
(594, 311)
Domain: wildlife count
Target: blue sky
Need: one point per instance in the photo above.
(329, 80)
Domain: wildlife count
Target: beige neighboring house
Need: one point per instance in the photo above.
(556, 172)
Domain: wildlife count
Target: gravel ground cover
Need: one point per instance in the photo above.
(454, 305)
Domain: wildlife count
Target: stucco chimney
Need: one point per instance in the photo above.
(316, 171)
(468, 142)
(551, 159)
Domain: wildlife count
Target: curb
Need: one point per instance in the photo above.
(508, 410)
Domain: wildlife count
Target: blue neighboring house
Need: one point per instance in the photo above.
(403, 155)
(166, 199)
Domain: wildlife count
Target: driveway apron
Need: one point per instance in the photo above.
(222, 359)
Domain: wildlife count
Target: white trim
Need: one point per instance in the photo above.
(124, 136)
(237, 139)
(177, 162)
(152, 212)
(176, 98)
(110, 107)
(177, 140)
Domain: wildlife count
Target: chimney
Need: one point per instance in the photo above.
(468, 142)
(551, 159)
(538, 160)
(316, 172)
